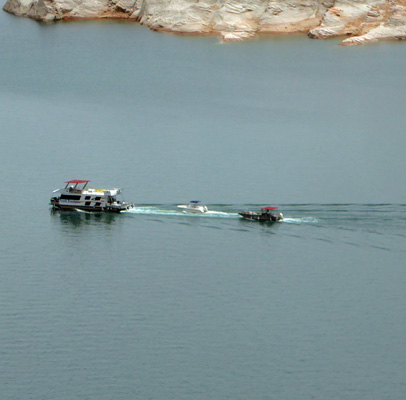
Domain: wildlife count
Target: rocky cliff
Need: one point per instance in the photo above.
(359, 21)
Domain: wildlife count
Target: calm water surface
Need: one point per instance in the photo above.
(156, 304)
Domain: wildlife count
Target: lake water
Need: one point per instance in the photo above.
(156, 304)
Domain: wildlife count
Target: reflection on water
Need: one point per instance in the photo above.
(77, 219)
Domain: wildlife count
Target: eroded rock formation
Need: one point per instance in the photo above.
(361, 21)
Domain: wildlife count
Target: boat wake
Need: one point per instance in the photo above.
(168, 210)
(149, 210)
(304, 220)
(152, 211)
(221, 214)
(85, 212)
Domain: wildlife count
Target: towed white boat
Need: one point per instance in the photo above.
(194, 207)
(75, 196)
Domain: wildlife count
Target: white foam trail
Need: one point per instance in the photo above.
(83, 211)
(304, 220)
(161, 211)
(221, 214)
(153, 211)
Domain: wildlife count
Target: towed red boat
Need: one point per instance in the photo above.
(265, 215)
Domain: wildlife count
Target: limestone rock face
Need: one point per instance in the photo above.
(362, 21)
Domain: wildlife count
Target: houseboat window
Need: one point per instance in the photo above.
(87, 198)
(97, 204)
(70, 197)
(97, 198)
(88, 203)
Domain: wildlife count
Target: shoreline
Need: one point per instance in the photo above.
(357, 23)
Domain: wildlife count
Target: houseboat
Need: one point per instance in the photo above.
(76, 196)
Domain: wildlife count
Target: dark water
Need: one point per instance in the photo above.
(156, 304)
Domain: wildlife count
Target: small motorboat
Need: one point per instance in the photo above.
(75, 196)
(194, 207)
(264, 216)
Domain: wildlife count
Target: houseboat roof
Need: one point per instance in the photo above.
(76, 181)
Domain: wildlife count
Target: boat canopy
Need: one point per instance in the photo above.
(76, 181)
(195, 201)
(73, 184)
(269, 208)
